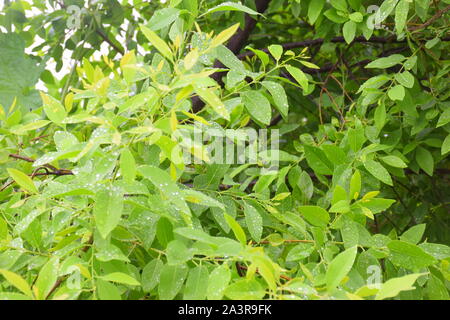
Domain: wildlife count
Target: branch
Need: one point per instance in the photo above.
(112, 44)
(54, 171)
(437, 15)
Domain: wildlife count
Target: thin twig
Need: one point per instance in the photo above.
(436, 16)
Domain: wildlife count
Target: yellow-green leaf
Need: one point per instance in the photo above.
(17, 281)
(190, 59)
(120, 277)
(157, 42)
(54, 110)
(23, 180)
(224, 35)
(214, 101)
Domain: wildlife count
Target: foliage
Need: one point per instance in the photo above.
(96, 204)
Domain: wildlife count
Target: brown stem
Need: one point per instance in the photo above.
(54, 171)
(436, 16)
(111, 43)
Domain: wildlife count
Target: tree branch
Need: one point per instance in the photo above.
(436, 16)
(112, 44)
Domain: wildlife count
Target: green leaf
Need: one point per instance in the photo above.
(196, 284)
(191, 58)
(162, 18)
(157, 42)
(237, 229)
(201, 198)
(276, 51)
(356, 17)
(379, 116)
(339, 5)
(342, 206)
(120, 277)
(377, 205)
(306, 185)
(169, 189)
(425, 160)
(3, 229)
(195, 234)
(64, 140)
(396, 92)
(446, 145)
(356, 138)
(107, 291)
(439, 251)
(436, 289)
(339, 194)
(13, 296)
(107, 211)
(355, 184)
(231, 6)
(401, 15)
(23, 224)
(300, 251)
(257, 106)
(339, 267)
(414, 234)
(385, 10)
(23, 129)
(378, 171)
(386, 62)
(317, 160)
(227, 57)
(171, 280)
(394, 161)
(224, 35)
(214, 101)
(127, 165)
(47, 278)
(245, 289)
(23, 180)
(164, 231)
(254, 222)
(405, 78)
(393, 287)
(408, 255)
(315, 215)
(177, 253)
(309, 64)
(147, 97)
(150, 274)
(54, 110)
(349, 31)
(218, 282)
(279, 96)
(17, 281)
(431, 43)
(298, 75)
(19, 73)
(444, 118)
(314, 9)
